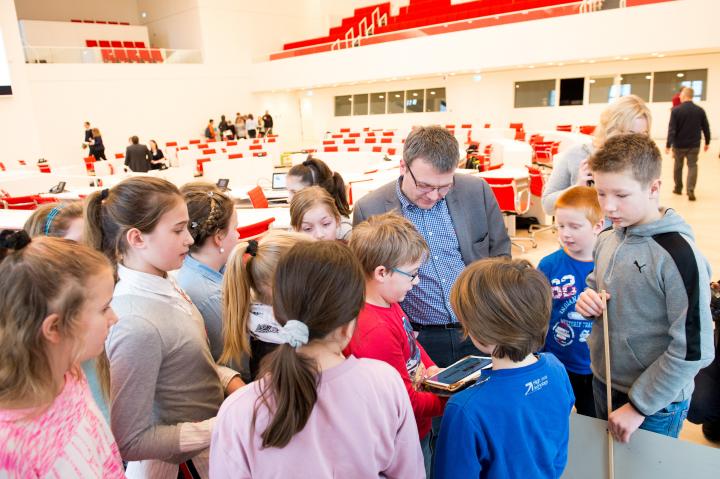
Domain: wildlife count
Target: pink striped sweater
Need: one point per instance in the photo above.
(69, 439)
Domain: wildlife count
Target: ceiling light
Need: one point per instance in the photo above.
(397, 96)
(531, 66)
(560, 64)
(591, 81)
(143, 14)
(381, 96)
(648, 77)
(432, 92)
(680, 75)
(662, 55)
(414, 94)
(591, 61)
(626, 58)
(477, 77)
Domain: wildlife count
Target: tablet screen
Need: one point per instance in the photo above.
(461, 370)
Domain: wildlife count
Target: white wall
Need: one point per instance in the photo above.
(65, 34)
(163, 102)
(18, 136)
(491, 100)
(65, 10)
(172, 24)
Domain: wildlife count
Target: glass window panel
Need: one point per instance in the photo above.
(343, 105)
(601, 89)
(435, 99)
(396, 102)
(360, 104)
(636, 84)
(415, 101)
(666, 84)
(377, 103)
(572, 91)
(534, 93)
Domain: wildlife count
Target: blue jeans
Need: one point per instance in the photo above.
(668, 421)
(427, 454)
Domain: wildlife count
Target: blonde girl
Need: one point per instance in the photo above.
(54, 314)
(165, 386)
(627, 114)
(250, 328)
(313, 212)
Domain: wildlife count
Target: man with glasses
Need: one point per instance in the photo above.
(460, 220)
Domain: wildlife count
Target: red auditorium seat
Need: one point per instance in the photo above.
(194, 142)
(233, 156)
(120, 55)
(119, 156)
(255, 147)
(145, 55)
(254, 230)
(257, 198)
(116, 44)
(156, 55)
(139, 44)
(18, 202)
(104, 44)
(112, 23)
(133, 56)
(564, 128)
(74, 20)
(171, 143)
(91, 43)
(330, 149)
(128, 44)
(209, 151)
(199, 164)
(353, 149)
(107, 56)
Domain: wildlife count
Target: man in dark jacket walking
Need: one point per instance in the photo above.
(687, 122)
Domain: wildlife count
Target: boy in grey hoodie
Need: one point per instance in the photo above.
(658, 295)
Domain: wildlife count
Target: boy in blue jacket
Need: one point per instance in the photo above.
(658, 295)
(514, 422)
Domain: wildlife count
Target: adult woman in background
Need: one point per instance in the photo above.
(158, 159)
(97, 148)
(240, 131)
(314, 172)
(251, 126)
(628, 114)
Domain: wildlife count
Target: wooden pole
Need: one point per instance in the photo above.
(608, 384)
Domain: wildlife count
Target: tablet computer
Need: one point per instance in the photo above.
(59, 188)
(223, 183)
(460, 374)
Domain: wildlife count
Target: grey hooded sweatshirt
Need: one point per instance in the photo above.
(661, 330)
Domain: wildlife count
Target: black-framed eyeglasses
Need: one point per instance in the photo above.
(425, 189)
(404, 273)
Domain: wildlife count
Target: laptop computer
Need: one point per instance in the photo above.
(278, 192)
(278, 181)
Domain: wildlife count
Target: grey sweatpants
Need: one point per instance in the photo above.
(692, 157)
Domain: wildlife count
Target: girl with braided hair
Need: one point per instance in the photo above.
(213, 226)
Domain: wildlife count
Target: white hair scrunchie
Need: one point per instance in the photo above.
(296, 332)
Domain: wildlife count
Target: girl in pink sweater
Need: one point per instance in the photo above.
(54, 314)
(313, 412)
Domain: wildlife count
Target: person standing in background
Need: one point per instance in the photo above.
(97, 148)
(210, 130)
(687, 122)
(268, 122)
(676, 97)
(240, 131)
(251, 126)
(137, 156)
(88, 134)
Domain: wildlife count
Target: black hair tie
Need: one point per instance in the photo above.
(15, 240)
(104, 194)
(252, 248)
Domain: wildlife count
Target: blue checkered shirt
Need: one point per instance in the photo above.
(429, 301)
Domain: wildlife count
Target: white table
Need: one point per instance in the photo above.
(511, 153)
(13, 219)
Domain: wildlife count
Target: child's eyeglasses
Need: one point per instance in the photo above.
(411, 276)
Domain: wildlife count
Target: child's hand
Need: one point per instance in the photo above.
(623, 422)
(432, 371)
(590, 304)
(584, 174)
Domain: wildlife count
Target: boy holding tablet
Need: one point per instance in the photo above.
(661, 331)
(515, 422)
(391, 251)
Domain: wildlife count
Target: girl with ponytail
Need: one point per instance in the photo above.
(250, 329)
(314, 172)
(165, 387)
(312, 408)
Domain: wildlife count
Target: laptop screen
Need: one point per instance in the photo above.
(278, 181)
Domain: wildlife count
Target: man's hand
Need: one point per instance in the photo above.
(706, 148)
(623, 422)
(667, 151)
(589, 303)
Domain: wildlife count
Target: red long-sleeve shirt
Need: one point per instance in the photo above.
(385, 334)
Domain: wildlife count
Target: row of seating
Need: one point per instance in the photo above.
(29, 202)
(139, 55)
(100, 22)
(114, 44)
(419, 13)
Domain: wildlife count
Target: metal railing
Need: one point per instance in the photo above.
(50, 54)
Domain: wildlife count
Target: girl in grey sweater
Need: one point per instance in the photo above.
(165, 387)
